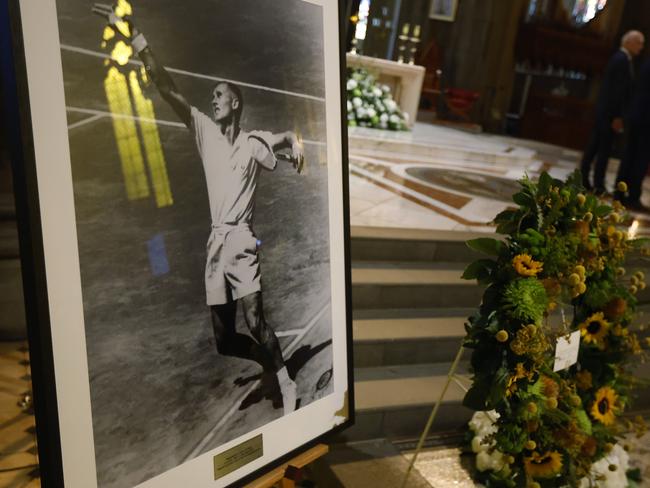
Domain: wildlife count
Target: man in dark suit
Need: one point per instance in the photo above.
(611, 109)
(634, 165)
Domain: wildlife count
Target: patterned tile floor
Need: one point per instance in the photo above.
(445, 179)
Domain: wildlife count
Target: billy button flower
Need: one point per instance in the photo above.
(544, 466)
(502, 336)
(526, 266)
(594, 329)
(604, 406)
(621, 186)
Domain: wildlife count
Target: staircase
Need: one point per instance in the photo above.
(409, 307)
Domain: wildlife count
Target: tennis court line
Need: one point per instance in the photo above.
(98, 54)
(99, 114)
(85, 121)
(198, 449)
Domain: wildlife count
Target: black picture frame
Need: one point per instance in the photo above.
(18, 120)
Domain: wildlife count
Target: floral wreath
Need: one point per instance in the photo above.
(559, 270)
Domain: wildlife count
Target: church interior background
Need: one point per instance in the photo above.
(493, 91)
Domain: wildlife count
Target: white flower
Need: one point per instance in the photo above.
(608, 472)
(483, 461)
(385, 88)
(349, 106)
(383, 118)
(377, 92)
(352, 84)
(390, 105)
(394, 119)
(371, 112)
(478, 445)
(483, 423)
(356, 102)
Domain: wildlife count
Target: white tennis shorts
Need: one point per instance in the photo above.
(232, 270)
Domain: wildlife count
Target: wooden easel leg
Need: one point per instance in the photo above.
(434, 412)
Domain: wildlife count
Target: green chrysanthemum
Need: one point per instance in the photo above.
(525, 300)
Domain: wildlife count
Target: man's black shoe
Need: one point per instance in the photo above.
(601, 191)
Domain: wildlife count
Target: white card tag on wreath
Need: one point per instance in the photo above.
(566, 351)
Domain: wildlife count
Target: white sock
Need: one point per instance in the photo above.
(283, 375)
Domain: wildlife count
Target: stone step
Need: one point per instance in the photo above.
(395, 401)
(412, 336)
(487, 155)
(407, 336)
(408, 245)
(394, 285)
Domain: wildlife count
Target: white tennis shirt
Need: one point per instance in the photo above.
(231, 171)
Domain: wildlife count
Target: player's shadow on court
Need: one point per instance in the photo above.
(268, 387)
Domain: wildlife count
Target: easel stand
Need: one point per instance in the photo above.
(451, 376)
(285, 476)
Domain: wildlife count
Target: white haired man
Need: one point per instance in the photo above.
(611, 109)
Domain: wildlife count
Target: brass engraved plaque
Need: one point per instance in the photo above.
(238, 456)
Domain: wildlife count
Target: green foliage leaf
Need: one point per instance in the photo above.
(476, 396)
(498, 389)
(523, 199)
(480, 270)
(486, 245)
(544, 184)
(602, 210)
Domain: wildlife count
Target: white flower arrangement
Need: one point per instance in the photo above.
(371, 104)
(488, 457)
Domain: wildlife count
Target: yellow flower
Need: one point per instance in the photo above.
(502, 335)
(574, 279)
(594, 329)
(543, 466)
(603, 409)
(526, 266)
(530, 444)
(621, 186)
(520, 373)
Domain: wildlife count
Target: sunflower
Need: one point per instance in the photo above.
(543, 466)
(594, 328)
(604, 406)
(525, 265)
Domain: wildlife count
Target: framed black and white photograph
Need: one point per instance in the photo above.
(186, 222)
(443, 10)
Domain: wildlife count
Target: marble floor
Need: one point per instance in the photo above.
(440, 178)
(450, 467)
